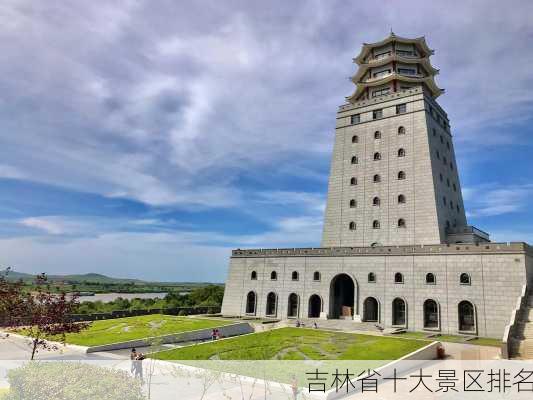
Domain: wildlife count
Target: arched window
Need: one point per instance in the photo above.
(401, 130)
(352, 226)
(431, 314)
(464, 279)
(457, 208)
(353, 181)
(444, 200)
(454, 187)
(355, 139)
(294, 276)
(316, 276)
(315, 306)
(293, 306)
(254, 276)
(250, 303)
(430, 278)
(273, 276)
(371, 277)
(377, 178)
(401, 175)
(440, 177)
(401, 153)
(401, 199)
(467, 316)
(438, 155)
(353, 203)
(377, 156)
(401, 223)
(376, 201)
(354, 160)
(377, 135)
(448, 182)
(272, 305)
(451, 165)
(398, 277)
(370, 310)
(399, 312)
(375, 224)
(447, 224)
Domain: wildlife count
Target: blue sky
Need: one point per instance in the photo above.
(143, 139)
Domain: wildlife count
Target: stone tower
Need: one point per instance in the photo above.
(393, 178)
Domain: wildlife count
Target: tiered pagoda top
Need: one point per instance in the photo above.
(392, 65)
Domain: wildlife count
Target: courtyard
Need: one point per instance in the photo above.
(297, 344)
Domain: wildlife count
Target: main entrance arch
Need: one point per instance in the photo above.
(342, 297)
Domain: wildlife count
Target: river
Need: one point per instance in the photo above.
(107, 297)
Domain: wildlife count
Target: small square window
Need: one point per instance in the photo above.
(355, 119)
(401, 108)
(377, 114)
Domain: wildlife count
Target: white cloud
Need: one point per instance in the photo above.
(494, 199)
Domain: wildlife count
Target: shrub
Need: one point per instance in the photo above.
(71, 381)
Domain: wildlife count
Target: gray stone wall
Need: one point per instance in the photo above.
(429, 154)
(496, 280)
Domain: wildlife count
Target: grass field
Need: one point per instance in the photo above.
(124, 329)
(297, 344)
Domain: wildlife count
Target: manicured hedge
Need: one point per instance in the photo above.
(71, 381)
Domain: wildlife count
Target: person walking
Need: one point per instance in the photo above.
(133, 358)
(294, 387)
(139, 366)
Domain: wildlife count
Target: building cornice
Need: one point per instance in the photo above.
(415, 250)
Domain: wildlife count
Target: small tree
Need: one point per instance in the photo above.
(41, 314)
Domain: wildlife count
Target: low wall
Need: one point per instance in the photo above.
(135, 313)
(508, 341)
(416, 360)
(238, 329)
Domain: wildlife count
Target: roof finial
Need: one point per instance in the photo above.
(391, 32)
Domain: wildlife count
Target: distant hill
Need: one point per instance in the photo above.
(92, 277)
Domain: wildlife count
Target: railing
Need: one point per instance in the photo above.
(468, 229)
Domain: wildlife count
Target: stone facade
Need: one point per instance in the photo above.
(497, 273)
(396, 247)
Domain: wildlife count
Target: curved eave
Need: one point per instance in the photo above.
(422, 61)
(429, 82)
(420, 42)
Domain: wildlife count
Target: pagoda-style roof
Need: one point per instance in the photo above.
(429, 81)
(424, 62)
(383, 68)
(420, 43)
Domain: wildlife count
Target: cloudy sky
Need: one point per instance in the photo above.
(147, 139)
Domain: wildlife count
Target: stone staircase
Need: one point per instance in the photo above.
(522, 346)
(341, 325)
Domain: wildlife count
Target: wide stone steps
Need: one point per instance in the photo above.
(522, 344)
(341, 325)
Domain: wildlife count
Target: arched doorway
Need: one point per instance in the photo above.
(341, 298)
(315, 306)
(294, 304)
(370, 310)
(399, 312)
(431, 314)
(467, 317)
(272, 304)
(250, 303)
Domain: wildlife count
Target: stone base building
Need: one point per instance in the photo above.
(396, 248)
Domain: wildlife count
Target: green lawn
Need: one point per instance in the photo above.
(124, 329)
(297, 344)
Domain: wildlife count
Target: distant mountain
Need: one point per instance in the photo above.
(91, 277)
